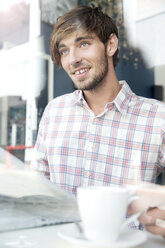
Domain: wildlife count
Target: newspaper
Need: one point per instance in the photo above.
(28, 200)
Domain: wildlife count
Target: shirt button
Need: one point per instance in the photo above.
(90, 146)
(88, 174)
(95, 119)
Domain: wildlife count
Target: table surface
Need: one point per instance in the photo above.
(47, 237)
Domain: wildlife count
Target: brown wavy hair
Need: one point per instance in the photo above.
(92, 20)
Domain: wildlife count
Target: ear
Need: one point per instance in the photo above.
(112, 45)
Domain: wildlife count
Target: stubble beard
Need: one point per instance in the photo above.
(97, 80)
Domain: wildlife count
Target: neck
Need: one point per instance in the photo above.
(106, 92)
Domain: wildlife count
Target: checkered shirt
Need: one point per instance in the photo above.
(124, 144)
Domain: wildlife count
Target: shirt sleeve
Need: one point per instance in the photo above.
(40, 161)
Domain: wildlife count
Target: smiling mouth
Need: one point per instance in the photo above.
(81, 71)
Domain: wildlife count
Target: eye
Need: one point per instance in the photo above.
(63, 52)
(84, 44)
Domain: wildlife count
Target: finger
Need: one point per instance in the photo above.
(156, 230)
(156, 213)
(134, 208)
(146, 220)
(160, 223)
(151, 216)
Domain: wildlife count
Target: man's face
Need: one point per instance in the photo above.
(84, 58)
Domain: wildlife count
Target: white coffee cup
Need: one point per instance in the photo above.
(102, 211)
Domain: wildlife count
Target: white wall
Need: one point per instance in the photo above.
(145, 22)
(148, 7)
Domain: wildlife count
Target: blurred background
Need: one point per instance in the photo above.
(29, 79)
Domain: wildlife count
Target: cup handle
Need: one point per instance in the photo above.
(134, 216)
(131, 219)
(133, 198)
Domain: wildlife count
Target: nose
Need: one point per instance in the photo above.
(74, 56)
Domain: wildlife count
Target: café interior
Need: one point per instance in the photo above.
(29, 80)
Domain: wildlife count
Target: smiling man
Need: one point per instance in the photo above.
(83, 58)
(86, 60)
(102, 133)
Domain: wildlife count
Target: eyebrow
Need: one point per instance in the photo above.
(78, 39)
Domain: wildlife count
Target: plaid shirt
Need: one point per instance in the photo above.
(124, 144)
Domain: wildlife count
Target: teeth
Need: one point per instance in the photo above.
(80, 71)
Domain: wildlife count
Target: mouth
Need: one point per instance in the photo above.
(81, 71)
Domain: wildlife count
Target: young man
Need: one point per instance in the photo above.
(101, 134)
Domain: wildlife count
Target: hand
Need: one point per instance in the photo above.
(150, 198)
(154, 221)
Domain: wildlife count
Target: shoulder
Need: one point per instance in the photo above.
(148, 108)
(139, 104)
(149, 103)
(63, 101)
(57, 106)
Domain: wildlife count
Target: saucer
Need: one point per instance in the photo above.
(128, 238)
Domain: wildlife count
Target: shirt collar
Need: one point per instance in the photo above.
(78, 97)
(123, 98)
(121, 101)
